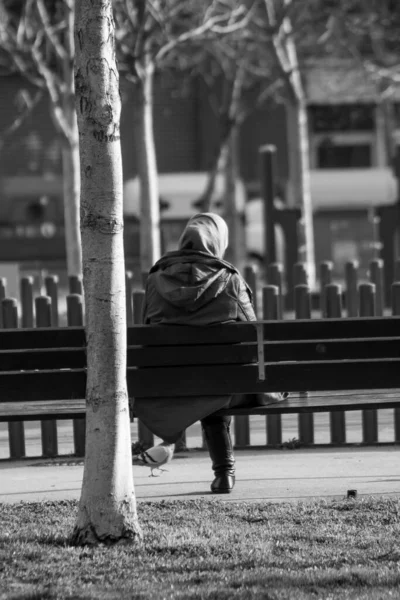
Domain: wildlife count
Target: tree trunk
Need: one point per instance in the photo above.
(205, 201)
(297, 124)
(70, 156)
(71, 193)
(299, 175)
(107, 507)
(236, 250)
(150, 243)
(300, 178)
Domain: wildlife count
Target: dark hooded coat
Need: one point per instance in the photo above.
(192, 286)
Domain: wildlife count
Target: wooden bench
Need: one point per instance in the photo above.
(42, 371)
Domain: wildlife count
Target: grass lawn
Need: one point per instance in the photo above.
(209, 549)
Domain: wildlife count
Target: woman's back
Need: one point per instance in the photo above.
(194, 285)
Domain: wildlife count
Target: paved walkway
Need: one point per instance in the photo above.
(262, 475)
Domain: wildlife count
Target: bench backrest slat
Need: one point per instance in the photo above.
(215, 354)
(210, 380)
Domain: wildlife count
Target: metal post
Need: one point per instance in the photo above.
(267, 176)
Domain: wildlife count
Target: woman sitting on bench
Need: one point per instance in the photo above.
(195, 286)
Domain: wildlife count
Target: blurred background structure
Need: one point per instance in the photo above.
(353, 126)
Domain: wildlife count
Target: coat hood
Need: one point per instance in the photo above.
(205, 232)
(195, 274)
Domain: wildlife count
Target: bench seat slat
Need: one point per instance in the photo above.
(41, 411)
(321, 404)
(344, 400)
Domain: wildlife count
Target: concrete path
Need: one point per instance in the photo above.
(262, 475)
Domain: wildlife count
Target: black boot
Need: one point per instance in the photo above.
(217, 433)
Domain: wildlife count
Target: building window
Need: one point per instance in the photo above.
(342, 136)
(342, 117)
(343, 156)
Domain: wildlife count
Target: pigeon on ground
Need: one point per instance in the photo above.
(154, 457)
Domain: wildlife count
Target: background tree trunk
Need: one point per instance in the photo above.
(71, 193)
(150, 242)
(299, 176)
(107, 507)
(236, 251)
(70, 157)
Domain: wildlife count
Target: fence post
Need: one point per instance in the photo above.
(27, 302)
(325, 278)
(250, 276)
(367, 293)
(275, 277)
(267, 156)
(397, 270)
(377, 277)
(75, 284)
(302, 303)
(300, 276)
(75, 319)
(144, 434)
(351, 296)
(396, 313)
(271, 307)
(51, 284)
(43, 306)
(16, 431)
(3, 293)
(128, 292)
(333, 310)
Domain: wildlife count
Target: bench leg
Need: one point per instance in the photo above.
(306, 428)
(16, 439)
(337, 422)
(49, 438)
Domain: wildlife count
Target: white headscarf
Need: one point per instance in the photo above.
(205, 232)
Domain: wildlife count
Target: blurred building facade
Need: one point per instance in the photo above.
(351, 130)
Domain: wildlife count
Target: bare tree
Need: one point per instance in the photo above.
(364, 37)
(283, 45)
(238, 73)
(107, 508)
(36, 40)
(149, 34)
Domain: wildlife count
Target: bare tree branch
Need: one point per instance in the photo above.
(49, 31)
(28, 106)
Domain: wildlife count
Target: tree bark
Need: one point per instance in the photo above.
(107, 507)
(71, 194)
(150, 243)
